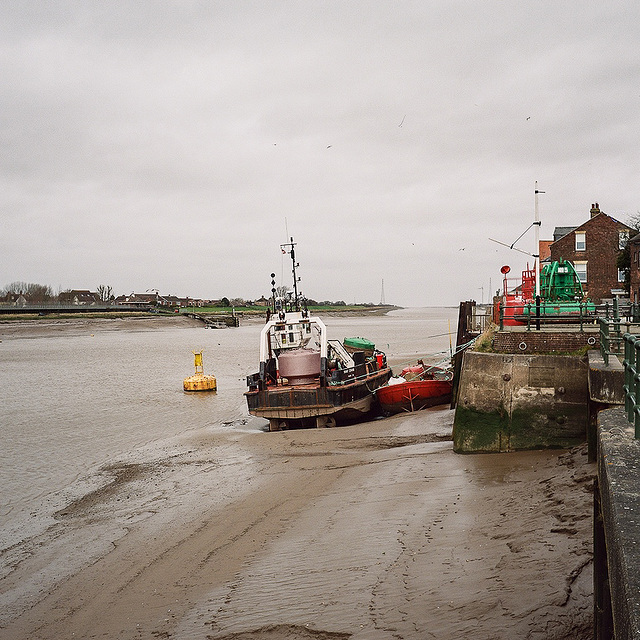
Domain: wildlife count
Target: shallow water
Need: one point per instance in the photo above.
(77, 400)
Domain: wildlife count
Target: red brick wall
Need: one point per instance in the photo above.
(543, 341)
(602, 248)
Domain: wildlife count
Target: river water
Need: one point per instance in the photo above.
(78, 398)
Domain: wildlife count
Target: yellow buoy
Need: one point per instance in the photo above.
(199, 381)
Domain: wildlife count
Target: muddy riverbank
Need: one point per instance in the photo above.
(372, 531)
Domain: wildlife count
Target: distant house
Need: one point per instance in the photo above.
(78, 297)
(133, 301)
(262, 302)
(14, 300)
(191, 302)
(593, 248)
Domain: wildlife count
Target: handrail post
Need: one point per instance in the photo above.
(629, 372)
(604, 340)
(502, 315)
(636, 380)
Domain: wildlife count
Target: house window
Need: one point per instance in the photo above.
(581, 240)
(581, 271)
(623, 238)
(622, 274)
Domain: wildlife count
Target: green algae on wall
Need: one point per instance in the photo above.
(516, 402)
(480, 431)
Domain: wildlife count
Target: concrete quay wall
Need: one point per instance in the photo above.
(617, 529)
(510, 402)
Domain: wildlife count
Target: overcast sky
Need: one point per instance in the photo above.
(174, 145)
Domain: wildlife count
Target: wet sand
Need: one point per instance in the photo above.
(51, 326)
(371, 531)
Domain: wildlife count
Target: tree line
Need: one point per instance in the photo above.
(43, 293)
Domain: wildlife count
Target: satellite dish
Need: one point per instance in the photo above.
(505, 269)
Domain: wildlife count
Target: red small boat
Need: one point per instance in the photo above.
(418, 387)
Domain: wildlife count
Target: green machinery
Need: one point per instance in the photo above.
(561, 291)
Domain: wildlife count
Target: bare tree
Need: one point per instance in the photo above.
(105, 292)
(36, 293)
(282, 291)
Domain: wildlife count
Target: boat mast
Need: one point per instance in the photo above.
(536, 255)
(291, 245)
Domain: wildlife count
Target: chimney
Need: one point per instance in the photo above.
(595, 209)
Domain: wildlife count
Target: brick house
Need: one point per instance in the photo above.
(634, 275)
(593, 248)
(78, 297)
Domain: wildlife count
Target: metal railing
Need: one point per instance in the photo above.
(615, 321)
(632, 380)
(56, 307)
(546, 316)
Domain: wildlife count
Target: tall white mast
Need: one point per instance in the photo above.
(536, 255)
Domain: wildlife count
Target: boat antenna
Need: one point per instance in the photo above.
(273, 291)
(536, 223)
(292, 252)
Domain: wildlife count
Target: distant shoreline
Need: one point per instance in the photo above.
(33, 325)
(10, 318)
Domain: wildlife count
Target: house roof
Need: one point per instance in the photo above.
(561, 232)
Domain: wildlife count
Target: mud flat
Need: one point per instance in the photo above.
(51, 326)
(373, 531)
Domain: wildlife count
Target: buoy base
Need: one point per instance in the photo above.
(200, 383)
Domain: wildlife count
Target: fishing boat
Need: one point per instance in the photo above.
(305, 379)
(417, 387)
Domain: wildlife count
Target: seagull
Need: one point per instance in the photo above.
(329, 146)
(529, 118)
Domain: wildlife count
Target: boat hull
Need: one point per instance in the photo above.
(414, 395)
(291, 406)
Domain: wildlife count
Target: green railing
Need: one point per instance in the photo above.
(611, 337)
(615, 321)
(546, 314)
(632, 380)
